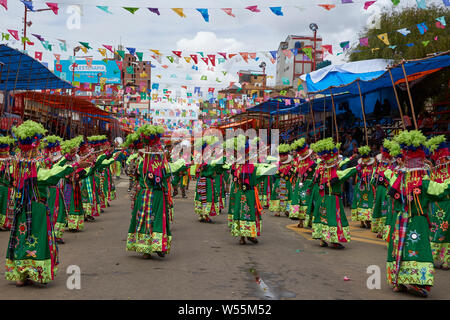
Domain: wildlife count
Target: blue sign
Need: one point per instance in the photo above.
(89, 74)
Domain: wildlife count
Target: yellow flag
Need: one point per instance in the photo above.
(84, 49)
(144, 75)
(375, 49)
(188, 59)
(102, 51)
(159, 76)
(384, 37)
(156, 52)
(179, 11)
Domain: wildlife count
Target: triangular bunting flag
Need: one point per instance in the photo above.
(253, 8)
(367, 4)
(223, 54)
(425, 43)
(244, 56)
(328, 47)
(395, 2)
(188, 59)
(308, 52)
(177, 53)
(4, 3)
(364, 42)
(132, 51)
(327, 6)
(38, 55)
(170, 59)
(85, 44)
(156, 52)
(14, 33)
(231, 55)
(121, 53)
(53, 6)
(344, 45)
(194, 58)
(57, 57)
(140, 55)
(422, 27)
(204, 13)
(205, 60)
(384, 37)
(131, 9)
(179, 11)
(109, 48)
(421, 4)
(102, 51)
(404, 31)
(212, 58)
(104, 8)
(276, 10)
(229, 11)
(154, 10)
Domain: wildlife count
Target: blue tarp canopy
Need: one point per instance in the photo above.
(19, 71)
(338, 75)
(276, 104)
(413, 68)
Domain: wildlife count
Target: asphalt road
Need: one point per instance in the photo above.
(206, 262)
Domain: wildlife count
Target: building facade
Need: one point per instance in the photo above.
(290, 69)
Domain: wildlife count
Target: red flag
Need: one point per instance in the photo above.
(244, 56)
(59, 67)
(231, 55)
(223, 54)
(177, 53)
(4, 3)
(212, 58)
(109, 48)
(328, 47)
(14, 33)
(210, 89)
(327, 6)
(205, 60)
(38, 55)
(119, 64)
(194, 57)
(53, 6)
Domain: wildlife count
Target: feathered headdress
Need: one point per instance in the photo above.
(413, 146)
(5, 143)
(151, 135)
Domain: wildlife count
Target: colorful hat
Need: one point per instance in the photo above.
(300, 146)
(97, 141)
(385, 149)
(5, 143)
(52, 145)
(29, 134)
(150, 134)
(133, 141)
(393, 149)
(439, 148)
(413, 146)
(327, 150)
(284, 148)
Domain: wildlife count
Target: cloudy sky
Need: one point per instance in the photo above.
(247, 32)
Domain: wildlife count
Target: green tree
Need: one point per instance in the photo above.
(393, 20)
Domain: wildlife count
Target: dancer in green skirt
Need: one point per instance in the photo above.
(280, 199)
(6, 184)
(409, 264)
(364, 191)
(440, 215)
(149, 230)
(304, 171)
(329, 222)
(32, 254)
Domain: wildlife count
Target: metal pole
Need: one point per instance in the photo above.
(334, 113)
(396, 98)
(314, 58)
(324, 116)
(409, 95)
(363, 112)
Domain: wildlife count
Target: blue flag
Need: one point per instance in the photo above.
(204, 13)
(276, 10)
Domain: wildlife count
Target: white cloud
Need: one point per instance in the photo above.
(206, 39)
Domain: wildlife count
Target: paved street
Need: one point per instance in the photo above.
(207, 263)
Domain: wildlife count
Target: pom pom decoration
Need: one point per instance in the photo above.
(439, 148)
(364, 151)
(5, 143)
(29, 134)
(150, 134)
(284, 148)
(327, 150)
(412, 144)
